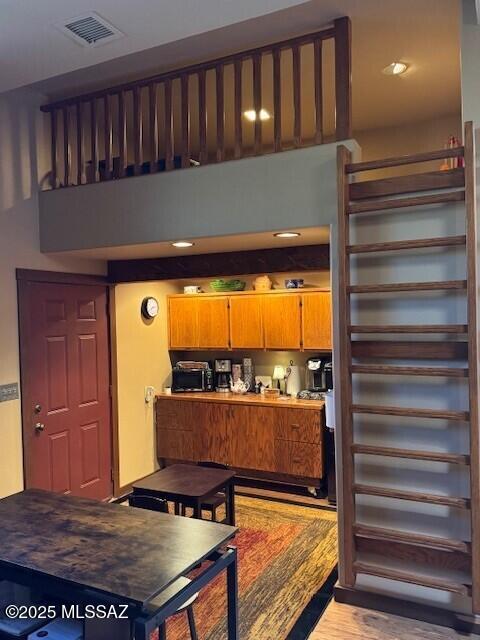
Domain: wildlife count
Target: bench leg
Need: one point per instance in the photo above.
(191, 623)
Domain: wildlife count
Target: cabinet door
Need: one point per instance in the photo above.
(317, 320)
(246, 322)
(175, 444)
(299, 425)
(211, 432)
(213, 329)
(183, 323)
(298, 459)
(281, 318)
(251, 437)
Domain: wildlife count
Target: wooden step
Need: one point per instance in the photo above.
(402, 245)
(411, 496)
(394, 370)
(371, 206)
(389, 349)
(410, 454)
(454, 178)
(444, 285)
(417, 539)
(412, 578)
(440, 154)
(409, 328)
(437, 414)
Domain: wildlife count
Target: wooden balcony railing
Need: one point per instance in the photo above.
(296, 93)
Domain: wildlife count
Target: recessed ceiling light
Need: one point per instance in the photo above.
(287, 234)
(395, 69)
(182, 244)
(251, 115)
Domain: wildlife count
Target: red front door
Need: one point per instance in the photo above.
(65, 387)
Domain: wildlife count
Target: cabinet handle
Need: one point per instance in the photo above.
(295, 426)
(296, 461)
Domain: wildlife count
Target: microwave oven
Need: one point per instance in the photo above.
(192, 378)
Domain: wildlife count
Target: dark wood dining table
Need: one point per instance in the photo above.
(190, 485)
(79, 549)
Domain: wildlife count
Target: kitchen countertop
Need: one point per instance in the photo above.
(246, 399)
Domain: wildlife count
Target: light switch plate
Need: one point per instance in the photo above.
(149, 394)
(9, 391)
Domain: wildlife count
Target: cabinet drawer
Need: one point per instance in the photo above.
(298, 459)
(299, 425)
(175, 444)
(175, 414)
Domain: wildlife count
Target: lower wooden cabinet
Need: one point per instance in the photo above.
(285, 441)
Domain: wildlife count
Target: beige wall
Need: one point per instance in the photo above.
(20, 132)
(142, 360)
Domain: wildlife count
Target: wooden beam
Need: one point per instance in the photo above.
(80, 145)
(53, 149)
(297, 96)
(137, 131)
(168, 126)
(122, 134)
(66, 148)
(185, 120)
(153, 102)
(108, 134)
(202, 117)
(257, 101)
(220, 154)
(301, 258)
(238, 108)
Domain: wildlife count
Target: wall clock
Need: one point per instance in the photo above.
(149, 308)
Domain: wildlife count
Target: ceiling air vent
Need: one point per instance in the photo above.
(90, 30)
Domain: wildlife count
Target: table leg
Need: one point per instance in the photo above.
(197, 510)
(232, 598)
(230, 503)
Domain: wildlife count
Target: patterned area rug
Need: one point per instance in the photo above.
(286, 552)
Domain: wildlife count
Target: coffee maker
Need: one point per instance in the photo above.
(318, 374)
(223, 374)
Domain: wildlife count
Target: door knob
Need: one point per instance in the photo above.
(39, 426)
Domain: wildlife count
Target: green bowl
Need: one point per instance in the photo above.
(227, 285)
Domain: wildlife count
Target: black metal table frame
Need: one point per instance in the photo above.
(144, 620)
(196, 503)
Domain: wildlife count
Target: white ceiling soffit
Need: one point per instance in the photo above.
(33, 49)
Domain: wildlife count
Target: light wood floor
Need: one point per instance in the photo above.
(343, 622)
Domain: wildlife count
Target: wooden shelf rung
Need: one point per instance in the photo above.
(417, 539)
(404, 245)
(413, 183)
(437, 414)
(412, 496)
(443, 285)
(370, 206)
(442, 584)
(394, 370)
(418, 350)
(411, 454)
(440, 154)
(405, 328)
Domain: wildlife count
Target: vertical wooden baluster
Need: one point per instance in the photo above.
(202, 117)
(168, 126)
(94, 140)
(238, 108)
(220, 113)
(257, 100)
(277, 101)
(66, 149)
(343, 78)
(80, 146)
(53, 174)
(122, 134)
(153, 100)
(297, 102)
(108, 138)
(137, 131)
(318, 81)
(185, 154)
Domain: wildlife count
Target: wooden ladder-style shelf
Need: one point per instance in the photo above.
(382, 196)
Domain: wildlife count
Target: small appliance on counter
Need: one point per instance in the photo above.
(223, 374)
(192, 375)
(318, 374)
(293, 385)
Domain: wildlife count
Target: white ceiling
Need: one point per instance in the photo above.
(32, 49)
(218, 244)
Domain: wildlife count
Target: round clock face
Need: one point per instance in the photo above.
(150, 308)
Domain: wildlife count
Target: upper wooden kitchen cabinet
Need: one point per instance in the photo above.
(282, 321)
(198, 323)
(246, 322)
(317, 320)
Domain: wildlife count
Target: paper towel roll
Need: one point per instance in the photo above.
(330, 409)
